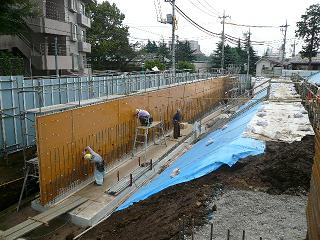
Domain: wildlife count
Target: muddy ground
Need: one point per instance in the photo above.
(12, 176)
(283, 169)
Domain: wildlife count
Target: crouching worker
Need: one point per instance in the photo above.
(144, 117)
(99, 170)
(176, 124)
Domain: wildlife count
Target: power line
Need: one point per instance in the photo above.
(212, 7)
(206, 12)
(143, 30)
(252, 26)
(196, 24)
(184, 15)
(206, 8)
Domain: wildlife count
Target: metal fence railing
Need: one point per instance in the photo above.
(22, 99)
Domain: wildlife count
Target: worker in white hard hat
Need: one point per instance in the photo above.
(99, 168)
(144, 117)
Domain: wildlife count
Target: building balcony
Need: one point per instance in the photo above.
(50, 26)
(84, 47)
(83, 20)
(48, 62)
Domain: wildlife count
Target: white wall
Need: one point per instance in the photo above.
(259, 66)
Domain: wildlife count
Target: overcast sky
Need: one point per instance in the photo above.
(141, 17)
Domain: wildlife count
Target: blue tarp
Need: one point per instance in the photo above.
(227, 148)
(314, 79)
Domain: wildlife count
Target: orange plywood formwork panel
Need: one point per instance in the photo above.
(50, 135)
(158, 101)
(128, 105)
(109, 128)
(88, 120)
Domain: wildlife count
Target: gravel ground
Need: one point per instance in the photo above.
(271, 217)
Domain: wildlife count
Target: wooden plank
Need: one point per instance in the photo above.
(43, 215)
(23, 228)
(154, 124)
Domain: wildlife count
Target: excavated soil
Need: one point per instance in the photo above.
(283, 168)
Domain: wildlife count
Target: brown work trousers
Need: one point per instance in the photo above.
(176, 129)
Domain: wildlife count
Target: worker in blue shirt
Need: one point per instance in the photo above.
(144, 117)
(176, 124)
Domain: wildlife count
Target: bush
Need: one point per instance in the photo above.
(149, 64)
(10, 64)
(183, 65)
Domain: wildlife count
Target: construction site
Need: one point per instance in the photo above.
(108, 132)
(244, 167)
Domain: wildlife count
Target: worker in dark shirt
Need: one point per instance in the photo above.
(176, 124)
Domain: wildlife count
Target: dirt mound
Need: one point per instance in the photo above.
(283, 168)
(160, 216)
(291, 168)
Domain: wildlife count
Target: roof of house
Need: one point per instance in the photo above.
(271, 59)
(315, 79)
(304, 61)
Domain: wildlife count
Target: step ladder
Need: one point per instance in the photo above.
(142, 133)
(32, 170)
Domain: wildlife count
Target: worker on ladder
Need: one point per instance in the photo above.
(176, 124)
(99, 169)
(144, 117)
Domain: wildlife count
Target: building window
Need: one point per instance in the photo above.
(82, 9)
(75, 62)
(72, 5)
(74, 29)
(82, 35)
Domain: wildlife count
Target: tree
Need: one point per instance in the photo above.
(109, 38)
(10, 64)
(253, 58)
(163, 52)
(184, 52)
(149, 64)
(151, 47)
(13, 14)
(184, 65)
(309, 31)
(235, 56)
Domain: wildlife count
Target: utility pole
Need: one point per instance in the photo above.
(248, 52)
(223, 39)
(173, 44)
(173, 38)
(294, 49)
(56, 54)
(284, 41)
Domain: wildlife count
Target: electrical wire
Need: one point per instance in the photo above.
(251, 26)
(196, 24)
(143, 30)
(206, 8)
(206, 12)
(215, 10)
(227, 36)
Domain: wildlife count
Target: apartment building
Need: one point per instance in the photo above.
(56, 40)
